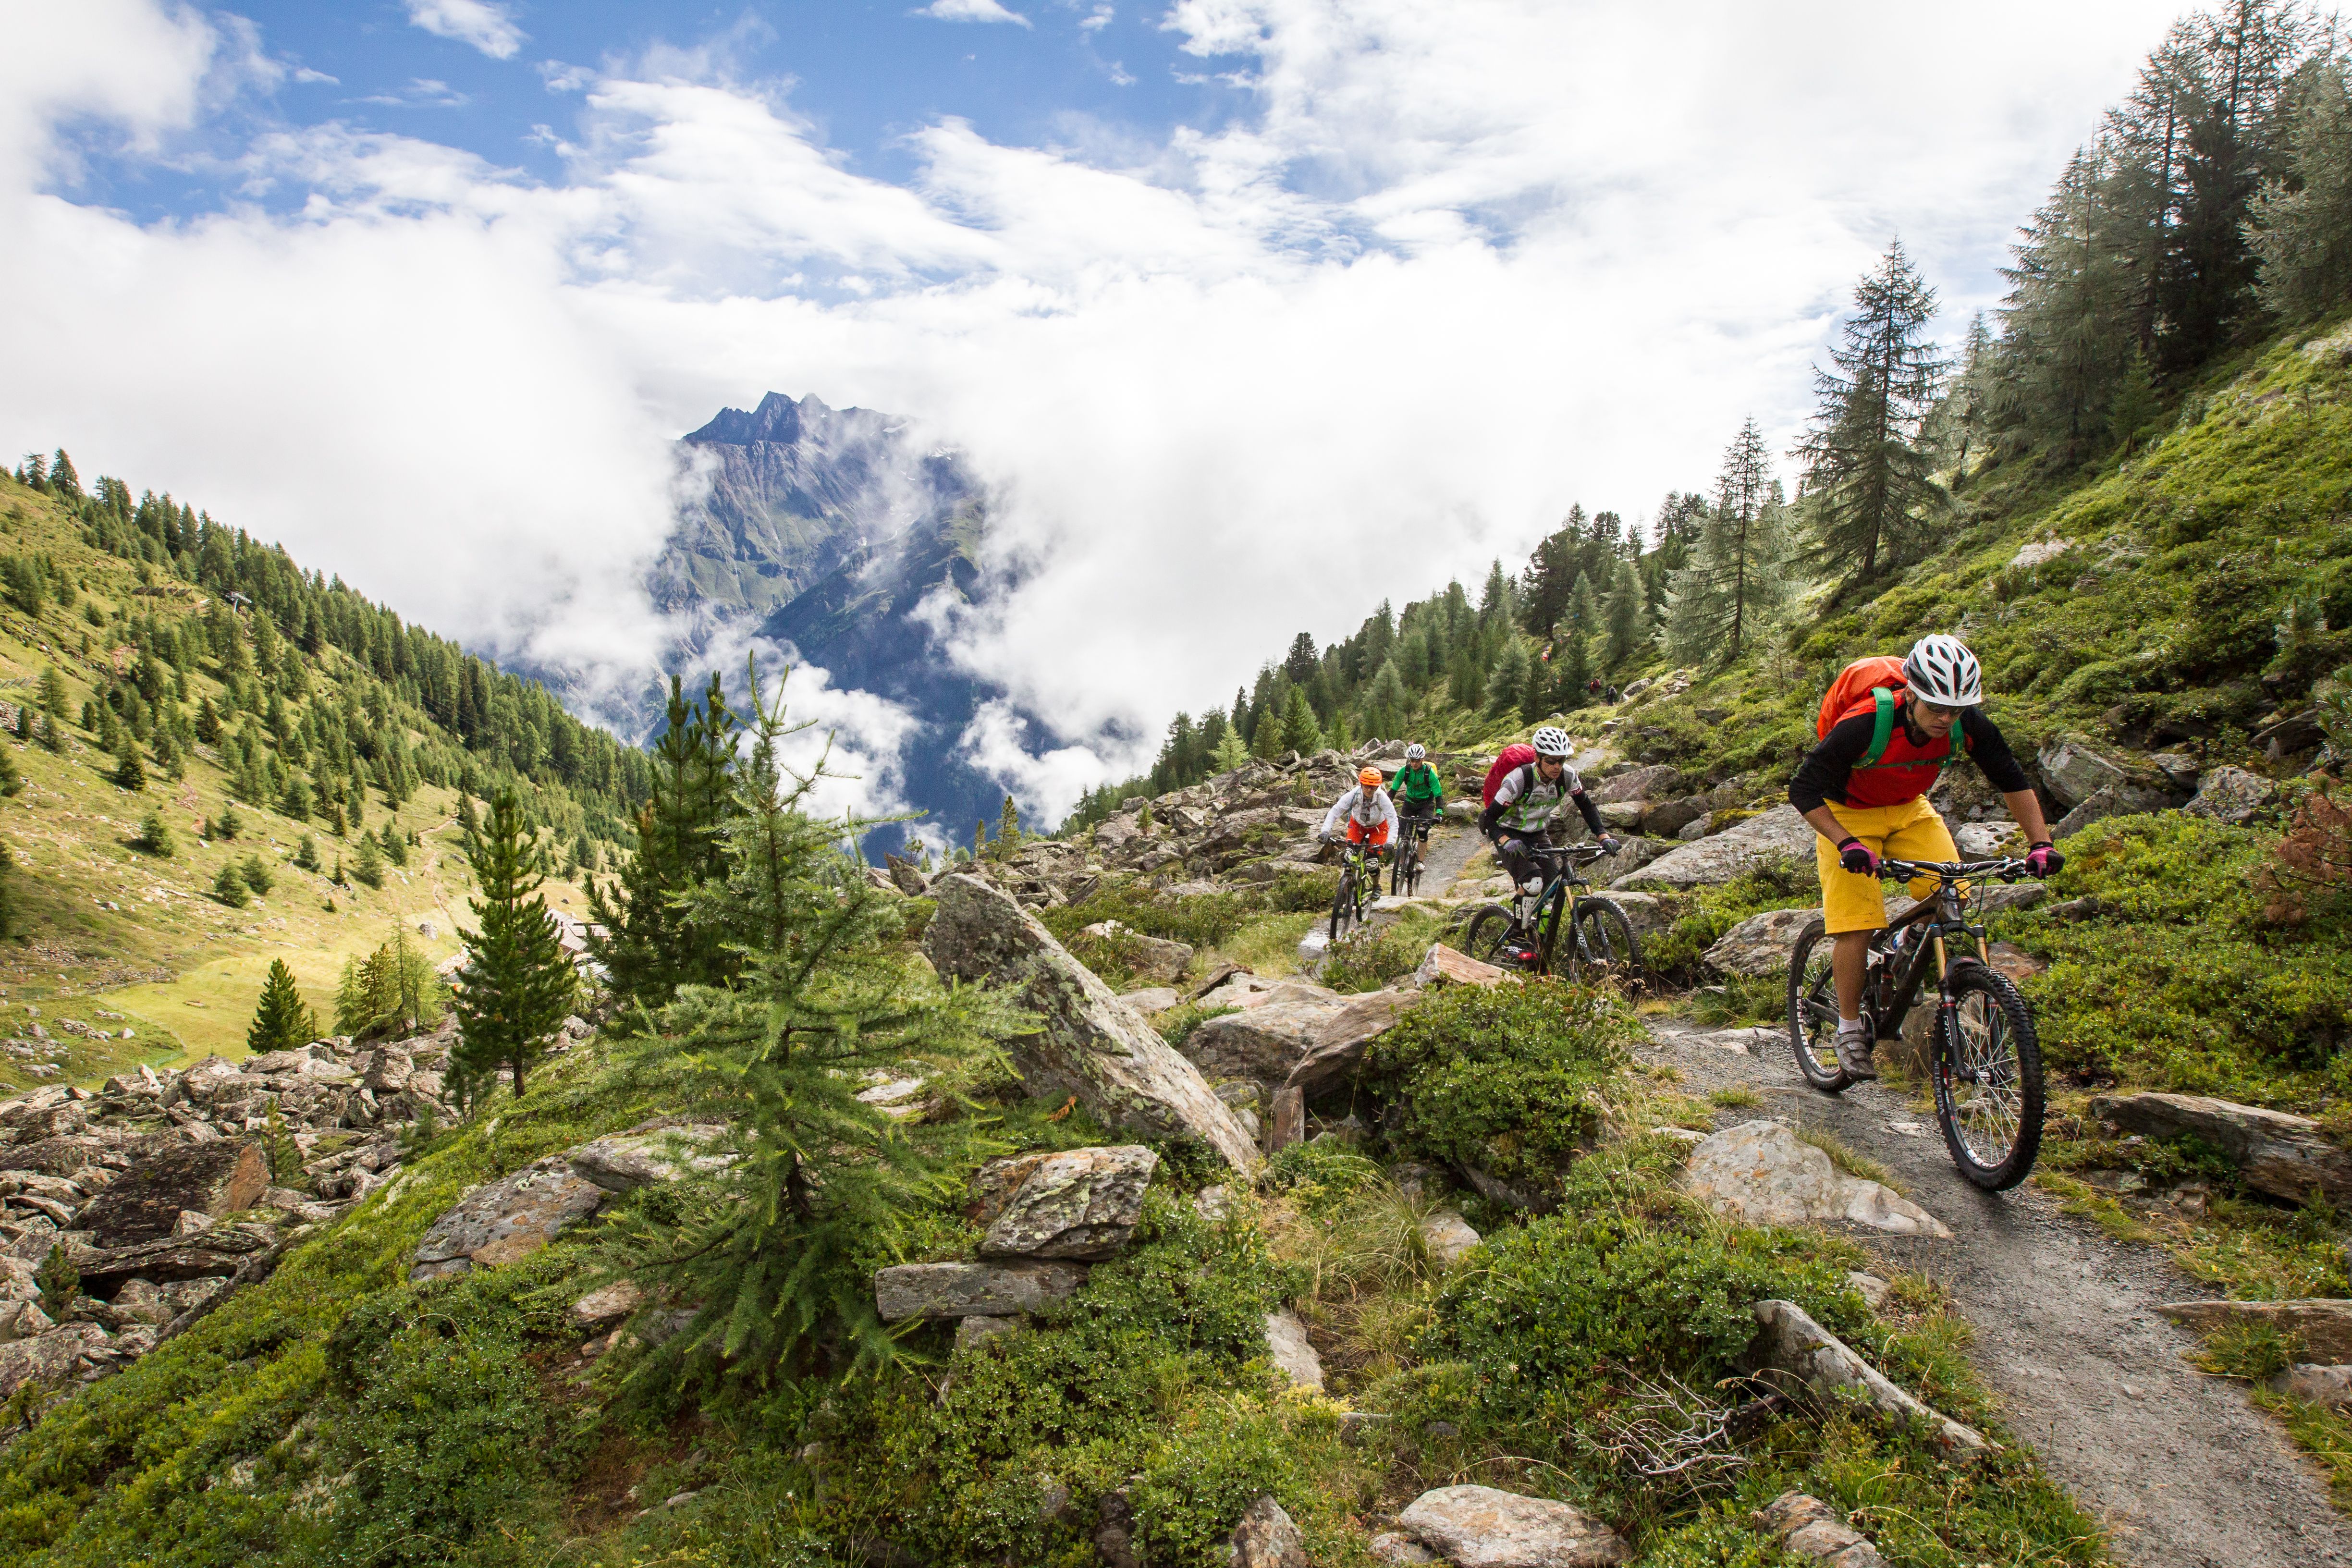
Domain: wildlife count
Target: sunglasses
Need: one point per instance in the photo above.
(1938, 709)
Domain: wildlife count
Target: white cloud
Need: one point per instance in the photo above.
(1454, 271)
(970, 11)
(486, 26)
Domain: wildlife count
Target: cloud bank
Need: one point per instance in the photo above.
(1455, 268)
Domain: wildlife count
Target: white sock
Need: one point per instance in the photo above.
(1849, 1025)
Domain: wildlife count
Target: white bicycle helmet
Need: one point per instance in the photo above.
(1551, 741)
(1415, 751)
(1940, 670)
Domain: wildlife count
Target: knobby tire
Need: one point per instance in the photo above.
(1812, 1012)
(1605, 946)
(1992, 1126)
(1483, 938)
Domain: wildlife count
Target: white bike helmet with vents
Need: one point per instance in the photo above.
(1551, 741)
(1415, 751)
(1940, 670)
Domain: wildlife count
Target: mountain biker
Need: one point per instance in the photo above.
(1419, 793)
(1866, 812)
(1369, 812)
(1519, 819)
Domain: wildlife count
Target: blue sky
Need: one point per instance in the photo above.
(1254, 312)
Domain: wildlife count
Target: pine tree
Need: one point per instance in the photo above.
(229, 886)
(1008, 828)
(651, 943)
(1387, 703)
(1300, 732)
(1571, 665)
(1299, 665)
(2136, 405)
(282, 1021)
(257, 874)
(11, 778)
(2301, 231)
(1868, 478)
(306, 854)
(368, 867)
(1230, 751)
(1506, 683)
(1627, 606)
(1538, 699)
(154, 835)
(1736, 577)
(518, 984)
(809, 1181)
(130, 772)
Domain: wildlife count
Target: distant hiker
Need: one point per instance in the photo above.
(1419, 793)
(1885, 732)
(1370, 816)
(1519, 807)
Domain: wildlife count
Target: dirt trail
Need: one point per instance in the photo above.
(2183, 1467)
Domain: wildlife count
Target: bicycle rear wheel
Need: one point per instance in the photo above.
(1813, 1013)
(1413, 882)
(1483, 937)
(1988, 1093)
(1343, 904)
(1605, 948)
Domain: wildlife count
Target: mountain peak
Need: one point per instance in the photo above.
(780, 422)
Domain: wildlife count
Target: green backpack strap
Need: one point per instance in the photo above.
(1882, 725)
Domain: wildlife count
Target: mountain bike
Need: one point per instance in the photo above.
(1406, 877)
(1360, 884)
(1525, 935)
(1987, 1066)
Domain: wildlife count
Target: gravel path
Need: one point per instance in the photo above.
(2183, 1467)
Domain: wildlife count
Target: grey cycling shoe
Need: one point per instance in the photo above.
(1854, 1047)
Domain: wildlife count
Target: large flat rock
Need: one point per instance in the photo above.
(507, 1219)
(1481, 1527)
(1763, 1173)
(1777, 833)
(1091, 1044)
(1789, 1342)
(972, 1289)
(1760, 945)
(2281, 1153)
(1081, 1202)
(144, 1204)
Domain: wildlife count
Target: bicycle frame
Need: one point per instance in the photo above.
(1943, 916)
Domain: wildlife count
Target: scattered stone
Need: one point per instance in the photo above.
(47, 1359)
(2120, 800)
(638, 1159)
(1443, 964)
(1155, 959)
(2034, 553)
(1266, 1538)
(973, 1334)
(1150, 999)
(606, 1305)
(1764, 1174)
(1653, 783)
(1981, 840)
(1389, 1547)
(1480, 1527)
(2073, 773)
(1091, 1044)
(1777, 833)
(1289, 1124)
(2322, 1327)
(1082, 1203)
(1790, 1345)
(2280, 1153)
(1265, 1042)
(2230, 795)
(1447, 1237)
(1288, 1347)
(1762, 944)
(145, 1202)
(1214, 1203)
(507, 1219)
(1336, 1046)
(1870, 1287)
(1808, 1527)
(972, 1289)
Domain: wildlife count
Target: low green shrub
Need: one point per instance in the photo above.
(1703, 915)
(1320, 1176)
(1370, 957)
(1509, 1078)
(1176, 1025)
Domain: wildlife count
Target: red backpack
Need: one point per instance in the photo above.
(1518, 755)
(1874, 685)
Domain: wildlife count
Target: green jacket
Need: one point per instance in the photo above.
(1416, 782)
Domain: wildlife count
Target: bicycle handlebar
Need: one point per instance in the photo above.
(2009, 870)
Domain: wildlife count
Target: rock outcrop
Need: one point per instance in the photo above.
(507, 1219)
(1079, 1203)
(1777, 833)
(1808, 1527)
(972, 1289)
(2323, 1327)
(1763, 1173)
(1089, 1044)
(1791, 1347)
(146, 1202)
(1760, 945)
(2280, 1153)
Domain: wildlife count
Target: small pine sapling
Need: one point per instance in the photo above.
(229, 887)
(59, 1282)
(154, 835)
(368, 867)
(306, 851)
(518, 984)
(130, 772)
(282, 1021)
(257, 874)
(11, 778)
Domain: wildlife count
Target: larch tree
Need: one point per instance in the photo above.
(1868, 478)
(1624, 615)
(1736, 575)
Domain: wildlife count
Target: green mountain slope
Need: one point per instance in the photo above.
(122, 954)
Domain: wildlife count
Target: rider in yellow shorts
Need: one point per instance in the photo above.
(1865, 789)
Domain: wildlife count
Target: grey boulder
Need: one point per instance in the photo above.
(1789, 1344)
(1089, 1044)
(507, 1219)
(144, 1203)
(1762, 944)
(1266, 1538)
(2280, 1153)
(1481, 1527)
(2230, 795)
(972, 1289)
(1762, 1173)
(1288, 1346)
(1082, 1203)
(639, 1159)
(1777, 833)
(1808, 1527)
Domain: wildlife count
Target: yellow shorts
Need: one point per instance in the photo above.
(1911, 831)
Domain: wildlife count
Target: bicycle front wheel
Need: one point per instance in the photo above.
(1988, 1093)
(1813, 1013)
(1483, 938)
(1343, 904)
(1605, 948)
